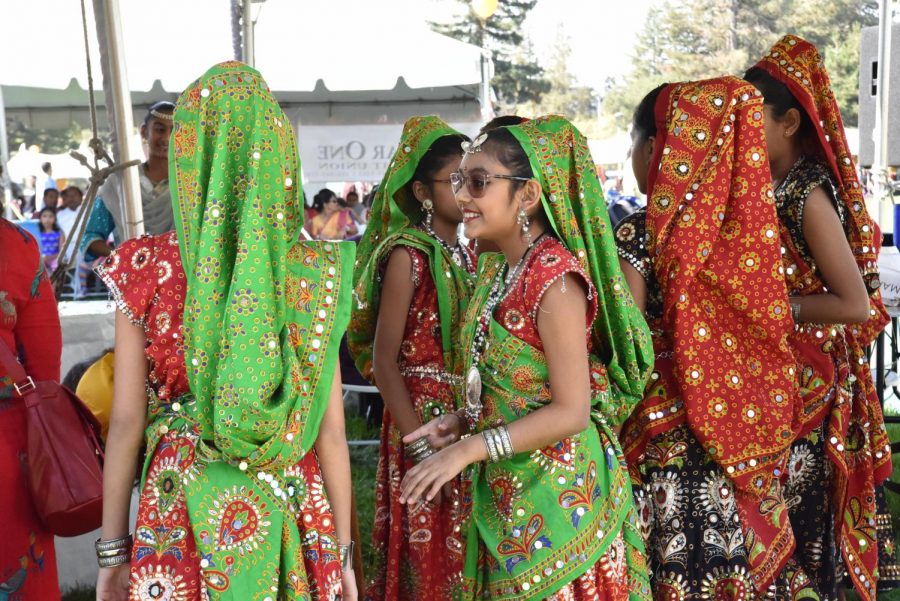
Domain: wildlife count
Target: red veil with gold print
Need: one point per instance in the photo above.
(728, 371)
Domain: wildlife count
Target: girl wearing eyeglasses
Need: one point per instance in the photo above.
(334, 221)
(556, 357)
(413, 281)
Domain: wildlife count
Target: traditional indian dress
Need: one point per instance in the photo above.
(29, 327)
(557, 522)
(710, 440)
(841, 417)
(242, 325)
(417, 549)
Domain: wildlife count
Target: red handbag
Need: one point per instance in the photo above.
(65, 458)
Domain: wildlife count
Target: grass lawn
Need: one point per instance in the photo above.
(364, 461)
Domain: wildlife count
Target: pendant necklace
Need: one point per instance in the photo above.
(503, 283)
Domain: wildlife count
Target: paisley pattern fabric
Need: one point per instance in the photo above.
(178, 555)
(418, 553)
(687, 507)
(723, 366)
(833, 358)
(557, 522)
(836, 388)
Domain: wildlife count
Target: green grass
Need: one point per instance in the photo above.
(80, 593)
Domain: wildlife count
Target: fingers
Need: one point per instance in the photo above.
(417, 433)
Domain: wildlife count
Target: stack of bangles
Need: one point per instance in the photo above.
(499, 446)
(420, 449)
(114, 552)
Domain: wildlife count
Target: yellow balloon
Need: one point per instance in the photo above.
(484, 8)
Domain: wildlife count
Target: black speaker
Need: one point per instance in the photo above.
(868, 87)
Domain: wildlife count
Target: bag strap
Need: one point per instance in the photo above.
(22, 383)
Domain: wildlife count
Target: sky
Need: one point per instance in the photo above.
(602, 37)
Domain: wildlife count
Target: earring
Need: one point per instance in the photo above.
(428, 207)
(522, 219)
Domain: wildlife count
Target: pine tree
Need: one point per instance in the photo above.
(518, 78)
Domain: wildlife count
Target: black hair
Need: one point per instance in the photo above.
(509, 152)
(45, 167)
(781, 100)
(48, 190)
(56, 227)
(441, 152)
(67, 188)
(161, 106)
(502, 121)
(321, 197)
(643, 124)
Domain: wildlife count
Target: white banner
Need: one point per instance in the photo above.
(351, 153)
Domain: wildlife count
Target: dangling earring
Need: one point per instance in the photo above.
(522, 219)
(428, 207)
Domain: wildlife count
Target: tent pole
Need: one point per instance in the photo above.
(122, 116)
(882, 104)
(4, 160)
(247, 24)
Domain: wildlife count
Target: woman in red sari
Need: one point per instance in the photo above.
(830, 250)
(29, 327)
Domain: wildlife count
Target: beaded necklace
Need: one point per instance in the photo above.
(503, 283)
(456, 252)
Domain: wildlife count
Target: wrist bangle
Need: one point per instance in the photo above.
(113, 552)
(795, 312)
(346, 554)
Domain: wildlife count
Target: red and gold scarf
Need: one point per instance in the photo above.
(857, 441)
(713, 236)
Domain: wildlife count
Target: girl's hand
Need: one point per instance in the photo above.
(424, 481)
(348, 586)
(112, 583)
(441, 432)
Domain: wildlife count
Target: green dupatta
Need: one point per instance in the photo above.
(539, 520)
(262, 320)
(573, 201)
(394, 212)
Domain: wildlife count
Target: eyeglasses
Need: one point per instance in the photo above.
(477, 183)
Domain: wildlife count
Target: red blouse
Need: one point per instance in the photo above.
(147, 282)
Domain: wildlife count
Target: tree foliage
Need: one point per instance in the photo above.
(518, 78)
(707, 38)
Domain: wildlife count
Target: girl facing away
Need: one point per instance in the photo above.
(829, 246)
(414, 281)
(556, 358)
(227, 336)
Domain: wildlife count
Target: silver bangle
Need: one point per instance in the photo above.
(113, 552)
(346, 554)
(506, 441)
(491, 444)
(795, 312)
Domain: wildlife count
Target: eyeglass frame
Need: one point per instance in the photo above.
(464, 181)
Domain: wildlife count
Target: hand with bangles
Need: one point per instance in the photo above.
(424, 481)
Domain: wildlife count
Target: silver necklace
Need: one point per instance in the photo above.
(456, 252)
(500, 288)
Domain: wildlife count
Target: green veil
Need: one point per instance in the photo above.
(573, 202)
(255, 355)
(393, 215)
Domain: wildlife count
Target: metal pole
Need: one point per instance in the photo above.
(247, 24)
(4, 160)
(882, 105)
(132, 209)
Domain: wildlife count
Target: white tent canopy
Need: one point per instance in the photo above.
(328, 64)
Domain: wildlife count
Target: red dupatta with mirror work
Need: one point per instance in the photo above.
(835, 377)
(712, 235)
